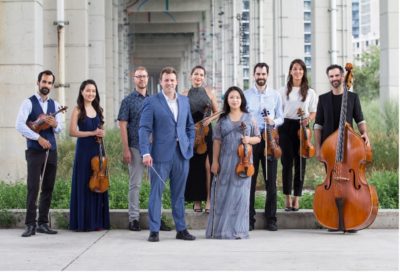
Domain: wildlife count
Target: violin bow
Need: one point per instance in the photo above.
(42, 176)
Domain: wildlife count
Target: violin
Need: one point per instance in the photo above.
(271, 138)
(306, 149)
(200, 144)
(345, 201)
(40, 124)
(99, 182)
(244, 168)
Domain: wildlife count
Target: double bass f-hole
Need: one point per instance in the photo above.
(244, 168)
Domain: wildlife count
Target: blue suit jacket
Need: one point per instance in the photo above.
(157, 123)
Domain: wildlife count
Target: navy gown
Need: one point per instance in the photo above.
(88, 210)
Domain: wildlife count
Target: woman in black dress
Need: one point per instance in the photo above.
(203, 103)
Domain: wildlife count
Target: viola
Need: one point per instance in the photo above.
(201, 132)
(99, 182)
(40, 124)
(244, 168)
(345, 201)
(271, 138)
(306, 149)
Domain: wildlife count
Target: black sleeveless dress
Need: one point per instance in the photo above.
(196, 189)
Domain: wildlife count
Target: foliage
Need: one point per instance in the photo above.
(7, 219)
(383, 132)
(387, 187)
(366, 82)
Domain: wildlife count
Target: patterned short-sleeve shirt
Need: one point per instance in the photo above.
(130, 111)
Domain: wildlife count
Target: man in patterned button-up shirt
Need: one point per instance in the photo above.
(129, 117)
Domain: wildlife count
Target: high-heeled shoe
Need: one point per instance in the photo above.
(197, 209)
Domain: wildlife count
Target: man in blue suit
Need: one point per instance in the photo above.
(167, 121)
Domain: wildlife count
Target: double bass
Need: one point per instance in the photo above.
(345, 201)
(99, 182)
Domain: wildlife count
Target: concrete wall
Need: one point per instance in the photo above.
(390, 58)
(21, 59)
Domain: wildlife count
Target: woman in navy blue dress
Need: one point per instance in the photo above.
(88, 210)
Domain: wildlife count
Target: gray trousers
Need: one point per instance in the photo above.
(136, 168)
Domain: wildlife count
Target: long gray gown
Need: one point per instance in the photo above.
(230, 194)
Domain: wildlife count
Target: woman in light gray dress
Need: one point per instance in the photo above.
(230, 193)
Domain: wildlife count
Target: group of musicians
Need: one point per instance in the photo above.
(171, 135)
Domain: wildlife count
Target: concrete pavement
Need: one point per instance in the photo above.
(286, 249)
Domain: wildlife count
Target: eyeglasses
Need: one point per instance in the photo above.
(140, 77)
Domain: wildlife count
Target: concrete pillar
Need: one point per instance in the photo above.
(97, 56)
(21, 60)
(261, 37)
(288, 37)
(321, 40)
(389, 60)
(76, 48)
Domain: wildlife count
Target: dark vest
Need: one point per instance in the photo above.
(48, 134)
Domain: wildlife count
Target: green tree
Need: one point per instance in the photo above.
(366, 76)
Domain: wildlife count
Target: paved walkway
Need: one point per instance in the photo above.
(287, 249)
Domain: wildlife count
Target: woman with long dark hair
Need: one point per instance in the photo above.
(230, 196)
(296, 95)
(88, 210)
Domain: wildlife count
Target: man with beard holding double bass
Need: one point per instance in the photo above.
(41, 153)
(329, 107)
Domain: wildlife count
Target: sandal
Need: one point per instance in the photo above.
(288, 209)
(207, 211)
(197, 209)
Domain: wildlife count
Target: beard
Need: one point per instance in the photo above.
(261, 82)
(335, 83)
(44, 91)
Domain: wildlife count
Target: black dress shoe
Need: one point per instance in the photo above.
(134, 225)
(153, 237)
(164, 226)
(272, 226)
(44, 228)
(29, 231)
(185, 235)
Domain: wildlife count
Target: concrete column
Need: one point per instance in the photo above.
(288, 39)
(21, 60)
(321, 37)
(389, 61)
(115, 54)
(97, 55)
(261, 40)
(76, 47)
